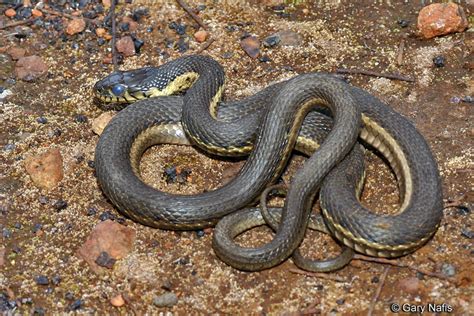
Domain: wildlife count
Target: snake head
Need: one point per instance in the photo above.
(133, 85)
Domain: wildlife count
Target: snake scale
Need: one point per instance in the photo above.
(267, 126)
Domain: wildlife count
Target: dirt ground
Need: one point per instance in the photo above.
(363, 34)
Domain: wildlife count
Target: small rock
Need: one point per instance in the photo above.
(36, 13)
(16, 52)
(56, 280)
(132, 24)
(271, 41)
(10, 13)
(80, 118)
(440, 19)
(100, 32)
(410, 285)
(251, 45)
(448, 269)
(439, 61)
(126, 46)
(45, 170)
(201, 36)
(110, 237)
(104, 260)
(2, 257)
(30, 68)
(99, 123)
(117, 301)
(403, 23)
(60, 205)
(289, 38)
(42, 280)
(167, 299)
(75, 26)
(77, 304)
(42, 120)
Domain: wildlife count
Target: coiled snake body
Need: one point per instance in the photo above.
(234, 129)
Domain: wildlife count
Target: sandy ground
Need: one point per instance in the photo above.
(365, 36)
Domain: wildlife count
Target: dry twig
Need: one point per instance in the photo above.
(16, 24)
(205, 45)
(52, 12)
(403, 265)
(192, 14)
(374, 74)
(378, 291)
(319, 275)
(114, 35)
(401, 51)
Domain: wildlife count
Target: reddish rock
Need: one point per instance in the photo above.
(117, 300)
(30, 68)
(409, 285)
(125, 46)
(110, 237)
(10, 13)
(251, 45)
(16, 52)
(36, 13)
(2, 257)
(45, 170)
(132, 24)
(75, 26)
(440, 19)
(201, 36)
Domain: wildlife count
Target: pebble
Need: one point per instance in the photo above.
(138, 44)
(56, 280)
(200, 233)
(45, 170)
(99, 123)
(264, 59)
(440, 19)
(117, 300)
(110, 237)
(42, 120)
(201, 36)
(167, 299)
(410, 285)
(448, 269)
(42, 280)
(403, 23)
(132, 24)
(290, 38)
(467, 233)
(16, 52)
(60, 205)
(10, 12)
(251, 45)
(125, 46)
(272, 40)
(91, 211)
(105, 260)
(30, 68)
(77, 304)
(36, 228)
(6, 233)
(75, 26)
(106, 215)
(80, 118)
(439, 61)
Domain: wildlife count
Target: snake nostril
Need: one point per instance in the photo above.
(118, 90)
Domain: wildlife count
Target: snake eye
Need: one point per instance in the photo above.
(118, 90)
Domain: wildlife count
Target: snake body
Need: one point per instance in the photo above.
(280, 109)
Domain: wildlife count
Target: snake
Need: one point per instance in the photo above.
(266, 126)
